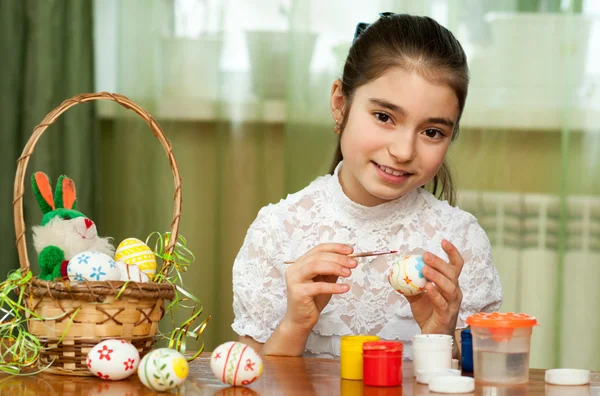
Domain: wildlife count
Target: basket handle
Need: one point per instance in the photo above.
(49, 120)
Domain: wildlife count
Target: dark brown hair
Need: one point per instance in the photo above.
(412, 43)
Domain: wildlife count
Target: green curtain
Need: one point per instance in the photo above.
(242, 91)
(47, 57)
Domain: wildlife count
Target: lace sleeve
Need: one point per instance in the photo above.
(479, 279)
(259, 292)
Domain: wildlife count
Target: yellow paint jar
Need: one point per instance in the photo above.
(351, 356)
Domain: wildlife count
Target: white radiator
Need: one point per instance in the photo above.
(524, 230)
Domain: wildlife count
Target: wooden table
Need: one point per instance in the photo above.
(282, 376)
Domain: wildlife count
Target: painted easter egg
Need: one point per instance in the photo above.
(92, 266)
(406, 275)
(131, 273)
(236, 364)
(163, 369)
(113, 359)
(134, 251)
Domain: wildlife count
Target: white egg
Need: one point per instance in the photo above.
(406, 275)
(134, 251)
(163, 369)
(131, 273)
(236, 363)
(113, 359)
(93, 266)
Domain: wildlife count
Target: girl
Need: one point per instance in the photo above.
(396, 109)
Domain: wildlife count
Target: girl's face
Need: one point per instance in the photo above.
(398, 132)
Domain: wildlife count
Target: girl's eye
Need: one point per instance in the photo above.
(382, 117)
(434, 133)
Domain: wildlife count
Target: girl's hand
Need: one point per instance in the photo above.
(436, 311)
(311, 281)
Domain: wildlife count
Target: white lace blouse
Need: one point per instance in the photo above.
(321, 212)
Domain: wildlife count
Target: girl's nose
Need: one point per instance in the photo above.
(403, 147)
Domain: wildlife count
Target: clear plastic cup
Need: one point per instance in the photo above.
(501, 347)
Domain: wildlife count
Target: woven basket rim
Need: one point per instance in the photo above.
(92, 288)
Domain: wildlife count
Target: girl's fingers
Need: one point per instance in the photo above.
(338, 248)
(318, 267)
(445, 286)
(440, 305)
(439, 265)
(314, 289)
(454, 255)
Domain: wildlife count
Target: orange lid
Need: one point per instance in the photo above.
(504, 320)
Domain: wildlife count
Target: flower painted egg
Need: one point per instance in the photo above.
(163, 369)
(113, 359)
(131, 273)
(134, 251)
(236, 364)
(93, 266)
(406, 275)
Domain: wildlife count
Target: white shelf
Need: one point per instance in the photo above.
(207, 110)
(530, 119)
(476, 115)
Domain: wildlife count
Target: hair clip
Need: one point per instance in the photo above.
(360, 27)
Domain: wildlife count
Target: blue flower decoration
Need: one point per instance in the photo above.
(78, 277)
(83, 259)
(112, 263)
(97, 273)
(420, 265)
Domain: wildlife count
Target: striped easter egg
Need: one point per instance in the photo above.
(236, 364)
(134, 251)
(406, 275)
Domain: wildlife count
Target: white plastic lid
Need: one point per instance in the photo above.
(452, 384)
(566, 376)
(424, 376)
(433, 338)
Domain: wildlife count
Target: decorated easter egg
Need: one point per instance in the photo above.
(113, 359)
(131, 273)
(406, 275)
(163, 369)
(134, 251)
(92, 266)
(236, 363)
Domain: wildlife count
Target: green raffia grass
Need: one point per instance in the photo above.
(20, 350)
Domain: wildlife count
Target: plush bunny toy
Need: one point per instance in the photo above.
(64, 232)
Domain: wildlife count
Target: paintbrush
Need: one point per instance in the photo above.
(364, 254)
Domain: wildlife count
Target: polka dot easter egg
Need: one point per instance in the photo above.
(92, 266)
(406, 275)
(163, 369)
(236, 364)
(113, 359)
(134, 251)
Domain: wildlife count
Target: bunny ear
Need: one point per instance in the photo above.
(65, 193)
(42, 190)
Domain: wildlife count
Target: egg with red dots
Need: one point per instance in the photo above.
(406, 275)
(113, 359)
(235, 363)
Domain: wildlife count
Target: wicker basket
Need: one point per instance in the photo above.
(134, 316)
